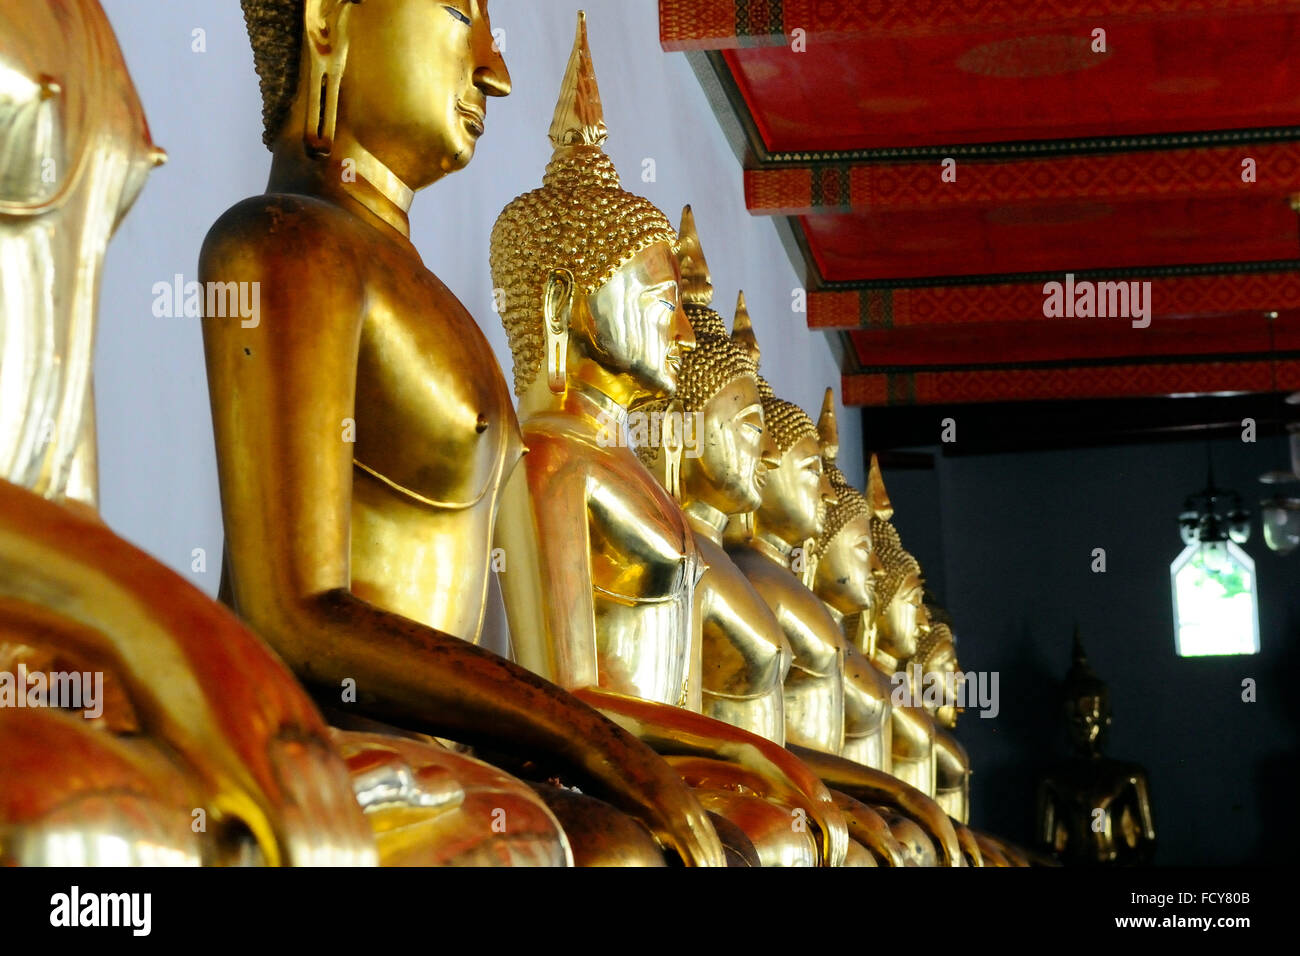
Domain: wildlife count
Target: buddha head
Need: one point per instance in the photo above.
(847, 563)
(406, 80)
(75, 152)
(796, 491)
(900, 616)
(936, 654)
(718, 385)
(1087, 705)
(589, 271)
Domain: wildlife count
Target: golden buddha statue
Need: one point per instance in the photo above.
(603, 568)
(364, 432)
(192, 743)
(1094, 810)
(845, 575)
(936, 660)
(745, 655)
(899, 623)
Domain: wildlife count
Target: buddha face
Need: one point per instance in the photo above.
(1088, 717)
(903, 619)
(728, 474)
(795, 491)
(414, 91)
(634, 325)
(846, 572)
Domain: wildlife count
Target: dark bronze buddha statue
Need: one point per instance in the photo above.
(1092, 809)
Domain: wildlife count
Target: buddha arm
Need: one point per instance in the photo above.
(546, 585)
(282, 400)
(815, 640)
(951, 762)
(874, 786)
(951, 775)
(1143, 798)
(1144, 806)
(914, 757)
(678, 732)
(744, 649)
(866, 698)
(745, 655)
(815, 687)
(913, 731)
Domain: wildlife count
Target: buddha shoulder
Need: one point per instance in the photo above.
(556, 450)
(862, 676)
(564, 446)
(780, 587)
(566, 463)
(297, 247)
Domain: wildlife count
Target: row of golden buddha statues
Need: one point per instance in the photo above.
(704, 646)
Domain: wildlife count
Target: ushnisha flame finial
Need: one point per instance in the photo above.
(1080, 679)
(579, 118)
(878, 497)
(697, 284)
(828, 428)
(742, 332)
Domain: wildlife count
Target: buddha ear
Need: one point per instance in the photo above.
(325, 31)
(557, 313)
